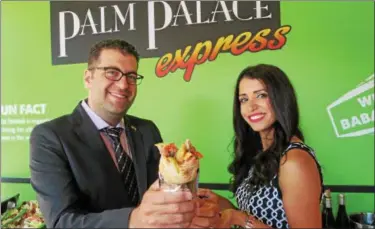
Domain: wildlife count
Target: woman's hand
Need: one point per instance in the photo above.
(206, 215)
(232, 217)
(208, 195)
(252, 222)
(226, 218)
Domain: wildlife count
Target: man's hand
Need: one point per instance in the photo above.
(160, 209)
(206, 214)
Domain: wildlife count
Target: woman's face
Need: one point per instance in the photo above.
(255, 105)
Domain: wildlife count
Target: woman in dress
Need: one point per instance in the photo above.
(276, 177)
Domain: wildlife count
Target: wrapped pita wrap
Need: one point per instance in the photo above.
(178, 166)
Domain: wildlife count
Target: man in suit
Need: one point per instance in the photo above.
(97, 167)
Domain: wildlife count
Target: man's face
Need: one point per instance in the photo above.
(110, 98)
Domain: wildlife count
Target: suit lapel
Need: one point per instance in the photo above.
(86, 129)
(90, 136)
(135, 141)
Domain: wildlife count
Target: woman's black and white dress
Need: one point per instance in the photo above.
(266, 202)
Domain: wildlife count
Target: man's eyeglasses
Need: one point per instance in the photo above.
(116, 74)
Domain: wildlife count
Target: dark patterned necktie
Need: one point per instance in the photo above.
(124, 162)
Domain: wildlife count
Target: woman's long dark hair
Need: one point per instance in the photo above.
(248, 150)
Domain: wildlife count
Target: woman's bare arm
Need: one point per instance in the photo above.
(301, 189)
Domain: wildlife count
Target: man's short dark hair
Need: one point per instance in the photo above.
(121, 45)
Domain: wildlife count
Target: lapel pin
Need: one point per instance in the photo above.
(133, 127)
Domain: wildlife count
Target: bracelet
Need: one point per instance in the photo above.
(248, 222)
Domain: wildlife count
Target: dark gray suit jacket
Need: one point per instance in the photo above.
(75, 178)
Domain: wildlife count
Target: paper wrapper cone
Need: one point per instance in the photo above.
(192, 186)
